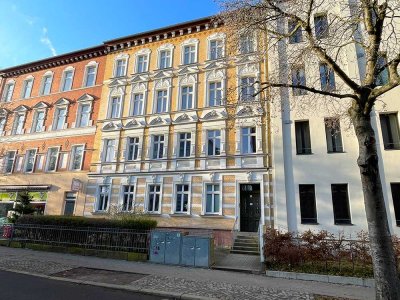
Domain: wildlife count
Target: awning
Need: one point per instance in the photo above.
(18, 188)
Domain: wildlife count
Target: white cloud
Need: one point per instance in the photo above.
(46, 41)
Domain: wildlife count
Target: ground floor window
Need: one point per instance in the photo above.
(154, 198)
(213, 198)
(127, 200)
(341, 206)
(103, 197)
(182, 198)
(69, 206)
(308, 209)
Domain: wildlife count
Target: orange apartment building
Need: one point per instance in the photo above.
(48, 114)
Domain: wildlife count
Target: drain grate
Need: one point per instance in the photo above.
(99, 275)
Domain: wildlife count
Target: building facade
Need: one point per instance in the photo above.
(317, 182)
(173, 141)
(48, 115)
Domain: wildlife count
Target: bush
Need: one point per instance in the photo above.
(136, 222)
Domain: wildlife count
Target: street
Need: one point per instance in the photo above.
(14, 286)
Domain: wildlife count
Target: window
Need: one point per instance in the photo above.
(128, 192)
(390, 131)
(132, 148)
(70, 199)
(60, 117)
(187, 97)
(109, 150)
(30, 160)
(213, 198)
(184, 144)
(8, 92)
(162, 98)
(158, 146)
(382, 77)
(120, 67)
(90, 78)
(153, 204)
(298, 78)
(138, 102)
(213, 142)
(10, 159)
(115, 109)
(247, 90)
(84, 115)
(182, 198)
(248, 140)
(215, 93)
(38, 121)
(141, 63)
(2, 125)
(76, 157)
(52, 159)
(27, 88)
(165, 59)
(396, 201)
(19, 121)
(66, 84)
(308, 209)
(297, 35)
(327, 77)
(189, 54)
(321, 26)
(246, 43)
(103, 197)
(340, 200)
(333, 135)
(303, 140)
(46, 85)
(216, 49)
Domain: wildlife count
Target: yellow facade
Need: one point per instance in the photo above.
(184, 127)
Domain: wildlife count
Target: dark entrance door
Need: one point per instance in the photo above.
(250, 210)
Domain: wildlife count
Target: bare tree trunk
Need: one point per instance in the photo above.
(383, 258)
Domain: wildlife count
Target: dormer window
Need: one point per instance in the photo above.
(46, 84)
(27, 88)
(8, 92)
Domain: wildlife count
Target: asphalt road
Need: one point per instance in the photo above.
(14, 286)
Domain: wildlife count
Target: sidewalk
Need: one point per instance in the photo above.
(178, 282)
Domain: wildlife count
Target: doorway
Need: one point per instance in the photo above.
(250, 209)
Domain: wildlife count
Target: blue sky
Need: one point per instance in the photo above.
(36, 29)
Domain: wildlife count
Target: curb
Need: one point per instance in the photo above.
(174, 295)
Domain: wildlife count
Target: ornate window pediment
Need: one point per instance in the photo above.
(163, 74)
(116, 82)
(117, 91)
(4, 112)
(188, 79)
(157, 121)
(133, 124)
(63, 101)
(163, 83)
(140, 78)
(110, 127)
(214, 115)
(85, 97)
(21, 108)
(185, 118)
(41, 105)
(188, 70)
(255, 110)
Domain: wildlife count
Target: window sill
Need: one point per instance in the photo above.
(391, 149)
(343, 224)
(304, 153)
(100, 212)
(336, 152)
(180, 215)
(309, 223)
(215, 216)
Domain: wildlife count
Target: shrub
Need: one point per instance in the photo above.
(135, 222)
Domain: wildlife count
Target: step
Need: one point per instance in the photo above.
(247, 240)
(245, 248)
(245, 245)
(245, 252)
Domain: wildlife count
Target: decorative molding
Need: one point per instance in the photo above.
(41, 105)
(21, 108)
(111, 126)
(185, 118)
(62, 102)
(85, 98)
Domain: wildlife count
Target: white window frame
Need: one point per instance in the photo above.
(105, 151)
(188, 94)
(99, 194)
(121, 57)
(214, 138)
(79, 114)
(153, 144)
(254, 87)
(48, 159)
(85, 76)
(144, 64)
(110, 107)
(135, 144)
(215, 76)
(26, 160)
(190, 43)
(7, 95)
(148, 198)
(35, 120)
(56, 115)
(63, 78)
(46, 75)
(3, 124)
(166, 100)
(24, 95)
(131, 194)
(133, 101)
(73, 153)
(13, 161)
(15, 123)
(175, 198)
(221, 89)
(247, 37)
(185, 141)
(168, 48)
(205, 193)
(248, 138)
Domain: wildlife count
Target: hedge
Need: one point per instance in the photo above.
(140, 222)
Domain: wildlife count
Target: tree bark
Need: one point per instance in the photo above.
(387, 283)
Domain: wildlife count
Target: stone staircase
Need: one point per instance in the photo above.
(246, 243)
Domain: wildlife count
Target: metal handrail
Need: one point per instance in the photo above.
(233, 231)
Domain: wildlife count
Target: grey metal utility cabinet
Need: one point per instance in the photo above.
(197, 251)
(165, 247)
